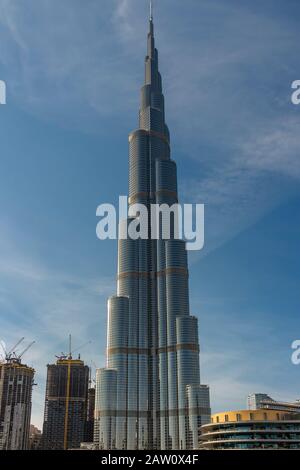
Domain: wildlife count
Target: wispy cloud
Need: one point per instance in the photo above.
(275, 148)
(242, 362)
(227, 69)
(46, 306)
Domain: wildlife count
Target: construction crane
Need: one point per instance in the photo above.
(3, 348)
(93, 380)
(80, 347)
(26, 349)
(11, 355)
(69, 355)
(14, 348)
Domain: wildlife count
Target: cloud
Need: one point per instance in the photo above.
(229, 363)
(275, 148)
(45, 306)
(227, 70)
(58, 68)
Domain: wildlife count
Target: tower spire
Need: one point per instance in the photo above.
(151, 18)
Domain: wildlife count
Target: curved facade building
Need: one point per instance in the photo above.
(152, 339)
(105, 408)
(252, 429)
(16, 381)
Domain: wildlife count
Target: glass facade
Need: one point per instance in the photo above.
(152, 340)
(244, 430)
(105, 408)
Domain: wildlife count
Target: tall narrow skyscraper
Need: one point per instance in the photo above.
(16, 381)
(151, 397)
(65, 413)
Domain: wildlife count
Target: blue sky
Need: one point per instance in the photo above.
(73, 70)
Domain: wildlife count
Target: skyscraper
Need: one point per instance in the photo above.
(90, 416)
(16, 381)
(151, 397)
(65, 413)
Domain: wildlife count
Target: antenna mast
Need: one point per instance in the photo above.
(70, 346)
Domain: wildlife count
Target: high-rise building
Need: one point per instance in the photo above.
(65, 404)
(259, 429)
(90, 416)
(35, 438)
(105, 409)
(261, 400)
(150, 397)
(16, 381)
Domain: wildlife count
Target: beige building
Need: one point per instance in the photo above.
(251, 429)
(16, 381)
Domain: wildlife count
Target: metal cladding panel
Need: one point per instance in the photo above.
(160, 147)
(187, 330)
(105, 407)
(176, 256)
(146, 92)
(118, 312)
(152, 118)
(138, 163)
(153, 77)
(188, 372)
(117, 342)
(198, 398)
(194, 415)
(128, 259)
(166, 176)
(187, 358)
(158, 102)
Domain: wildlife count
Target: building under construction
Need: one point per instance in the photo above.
(16, 381)
(66, 404)
(89, 429)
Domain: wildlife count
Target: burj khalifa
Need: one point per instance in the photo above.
(149, 395)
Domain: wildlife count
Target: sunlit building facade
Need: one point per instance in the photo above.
(16, 382)
(260, 429)
(150, 396)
